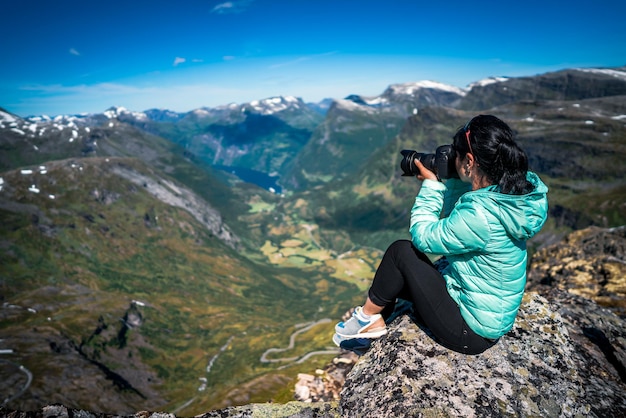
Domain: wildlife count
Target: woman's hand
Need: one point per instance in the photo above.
(424, 172)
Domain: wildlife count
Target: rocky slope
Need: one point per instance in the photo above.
(551, 364)
(590, 263)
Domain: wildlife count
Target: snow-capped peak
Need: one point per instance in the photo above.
(116, 111)
(487, 81)
(411, 88)
(41, 118)
(275, 104)
(7, 117)
(200, 112)
(36, 126)
(606, 71)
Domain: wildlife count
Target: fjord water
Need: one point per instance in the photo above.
(249, 175)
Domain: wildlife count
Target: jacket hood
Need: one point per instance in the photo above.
(522, 216)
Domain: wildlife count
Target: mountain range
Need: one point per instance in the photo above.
(192, 261)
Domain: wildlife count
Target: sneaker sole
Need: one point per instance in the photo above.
(375, 333)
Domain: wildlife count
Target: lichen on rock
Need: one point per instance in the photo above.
(537, 369)
(590, 262)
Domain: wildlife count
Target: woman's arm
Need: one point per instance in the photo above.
(465, 229)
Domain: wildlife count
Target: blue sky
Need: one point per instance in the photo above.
(64, 57)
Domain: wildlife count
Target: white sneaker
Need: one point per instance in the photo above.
(358, 327)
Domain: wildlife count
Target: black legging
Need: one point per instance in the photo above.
(406, 273)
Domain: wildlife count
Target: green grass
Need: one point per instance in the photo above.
(200, 293)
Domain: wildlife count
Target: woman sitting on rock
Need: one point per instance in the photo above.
(470, 297)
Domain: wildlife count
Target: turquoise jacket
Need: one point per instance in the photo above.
(483, 235)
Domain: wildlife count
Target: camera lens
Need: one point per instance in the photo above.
(442, 163)
(407, 165)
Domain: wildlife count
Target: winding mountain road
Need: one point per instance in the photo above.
(292, 343)
(29, 379)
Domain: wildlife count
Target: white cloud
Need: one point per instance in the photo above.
(227, 7)
(178, 60)
(73, 51)
(223, 7)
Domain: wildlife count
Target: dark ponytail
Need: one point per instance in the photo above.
(499, 157)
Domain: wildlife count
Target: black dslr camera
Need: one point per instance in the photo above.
(441, 162)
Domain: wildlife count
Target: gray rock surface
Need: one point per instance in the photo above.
(553, 363)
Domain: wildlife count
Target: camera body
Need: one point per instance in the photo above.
(441, 162)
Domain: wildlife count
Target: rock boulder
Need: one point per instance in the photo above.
(564, 357)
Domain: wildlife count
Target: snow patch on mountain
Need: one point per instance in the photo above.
(376, 101)
(414, 87)
(275, 104)
(606, 71)
(37, 126)
(487, 81)
(352, 106)
(7, 117)
(200, 113)
(229, 106)
(115, 112)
